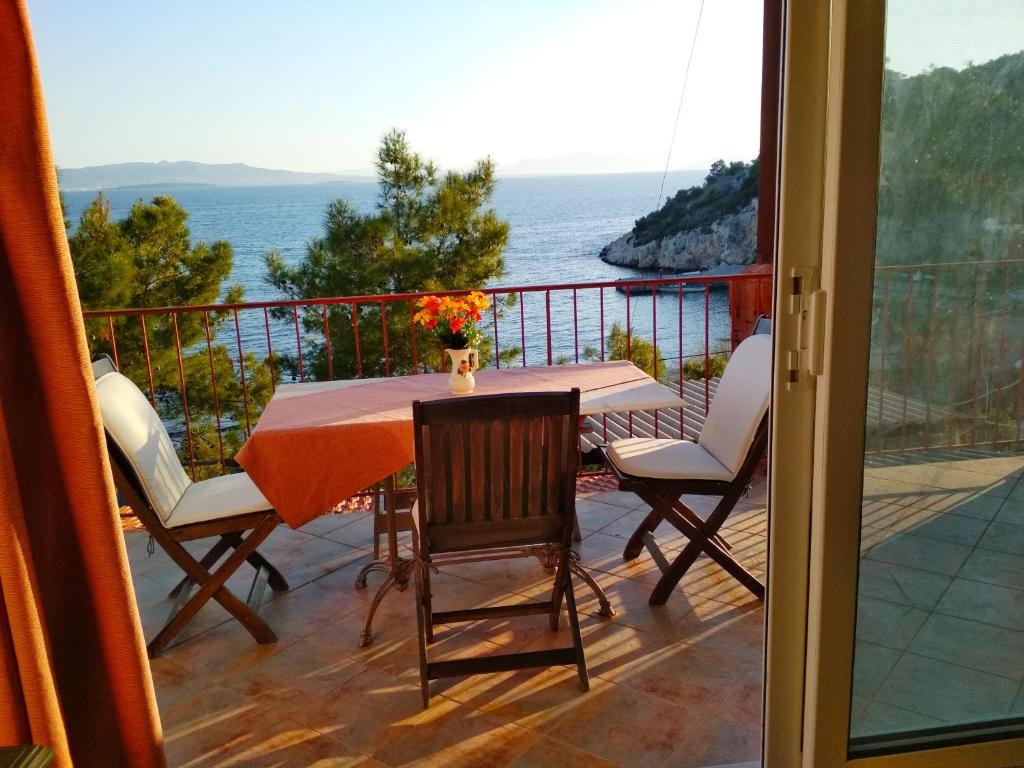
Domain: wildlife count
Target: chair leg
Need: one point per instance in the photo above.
(562, 577)
(422, 621)
(209, 559)
(428, 608)
(635, 544)
(276, 581)
(577, 639)
(212, 586)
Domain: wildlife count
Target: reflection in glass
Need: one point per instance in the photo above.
(940, 623)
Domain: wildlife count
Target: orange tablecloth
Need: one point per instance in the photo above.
(317, 444)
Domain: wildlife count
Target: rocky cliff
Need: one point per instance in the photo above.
(730, 240)
(698, 228)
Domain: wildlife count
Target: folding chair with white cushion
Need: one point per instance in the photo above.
(720, 463)
(174, 509)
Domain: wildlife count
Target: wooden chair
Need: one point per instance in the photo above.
(721, 463)
(174, 509)
(497, 479)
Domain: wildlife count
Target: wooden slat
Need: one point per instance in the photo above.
(516, 469)
(495, 533)
(503, 663)
(553, 460)
(439, 475)
(457, 468)
(497, 488)
(535, 468)
(491, 612)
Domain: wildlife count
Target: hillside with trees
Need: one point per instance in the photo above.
(704, 226)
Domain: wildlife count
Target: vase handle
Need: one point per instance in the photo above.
(474, 359)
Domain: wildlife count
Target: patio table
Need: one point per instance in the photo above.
(319, 443)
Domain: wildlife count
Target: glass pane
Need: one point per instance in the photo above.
(940, 622)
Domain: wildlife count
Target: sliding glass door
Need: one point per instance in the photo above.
(904, 333)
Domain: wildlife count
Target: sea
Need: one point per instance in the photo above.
(557, 227)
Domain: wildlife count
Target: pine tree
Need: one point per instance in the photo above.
(148, 260)
(430, 232)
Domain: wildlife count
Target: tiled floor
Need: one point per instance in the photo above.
(940, 640)
(678, 685)
(941, 609)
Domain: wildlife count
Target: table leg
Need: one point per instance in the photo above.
(398, 569)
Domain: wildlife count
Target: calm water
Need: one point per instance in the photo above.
(558, 225)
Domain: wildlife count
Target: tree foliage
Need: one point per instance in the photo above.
(431, 231)
(726, 189)
(147, 260)
(640, 351)
(950, 197)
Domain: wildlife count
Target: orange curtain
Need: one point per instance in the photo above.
(73, 668)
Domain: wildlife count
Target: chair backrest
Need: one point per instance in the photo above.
(134, 427)
(496, 470)
(740, 403)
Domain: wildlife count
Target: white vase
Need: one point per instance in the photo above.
(464, 362)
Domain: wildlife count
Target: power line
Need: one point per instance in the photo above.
(679, 110)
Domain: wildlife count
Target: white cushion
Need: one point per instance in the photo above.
(217, 498)
(668, 459)
(135, 428)
(740, 403)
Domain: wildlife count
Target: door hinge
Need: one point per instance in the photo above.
(804, 359)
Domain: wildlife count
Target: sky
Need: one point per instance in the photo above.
(540, 86)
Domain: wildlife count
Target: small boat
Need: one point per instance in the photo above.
(673, 288)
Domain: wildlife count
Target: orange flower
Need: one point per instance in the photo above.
(430, 304)
(456, 324)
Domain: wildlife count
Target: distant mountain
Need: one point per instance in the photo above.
(187, 173)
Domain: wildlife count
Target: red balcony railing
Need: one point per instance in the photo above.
(945, 367)
(946, 349)
(209, 369)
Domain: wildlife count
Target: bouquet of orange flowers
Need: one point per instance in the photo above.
(453, 319)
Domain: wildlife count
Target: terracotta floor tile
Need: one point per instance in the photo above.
(621, 724)
(595, 515)
(450, 735)
(723, 741)
(547, 753)
(535, 698)
(738, 629)
(695, 678)
(316, 698)
(364, 711)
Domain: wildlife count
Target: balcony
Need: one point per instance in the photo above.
(941, 580)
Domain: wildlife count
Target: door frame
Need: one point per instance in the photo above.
(828, 185)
